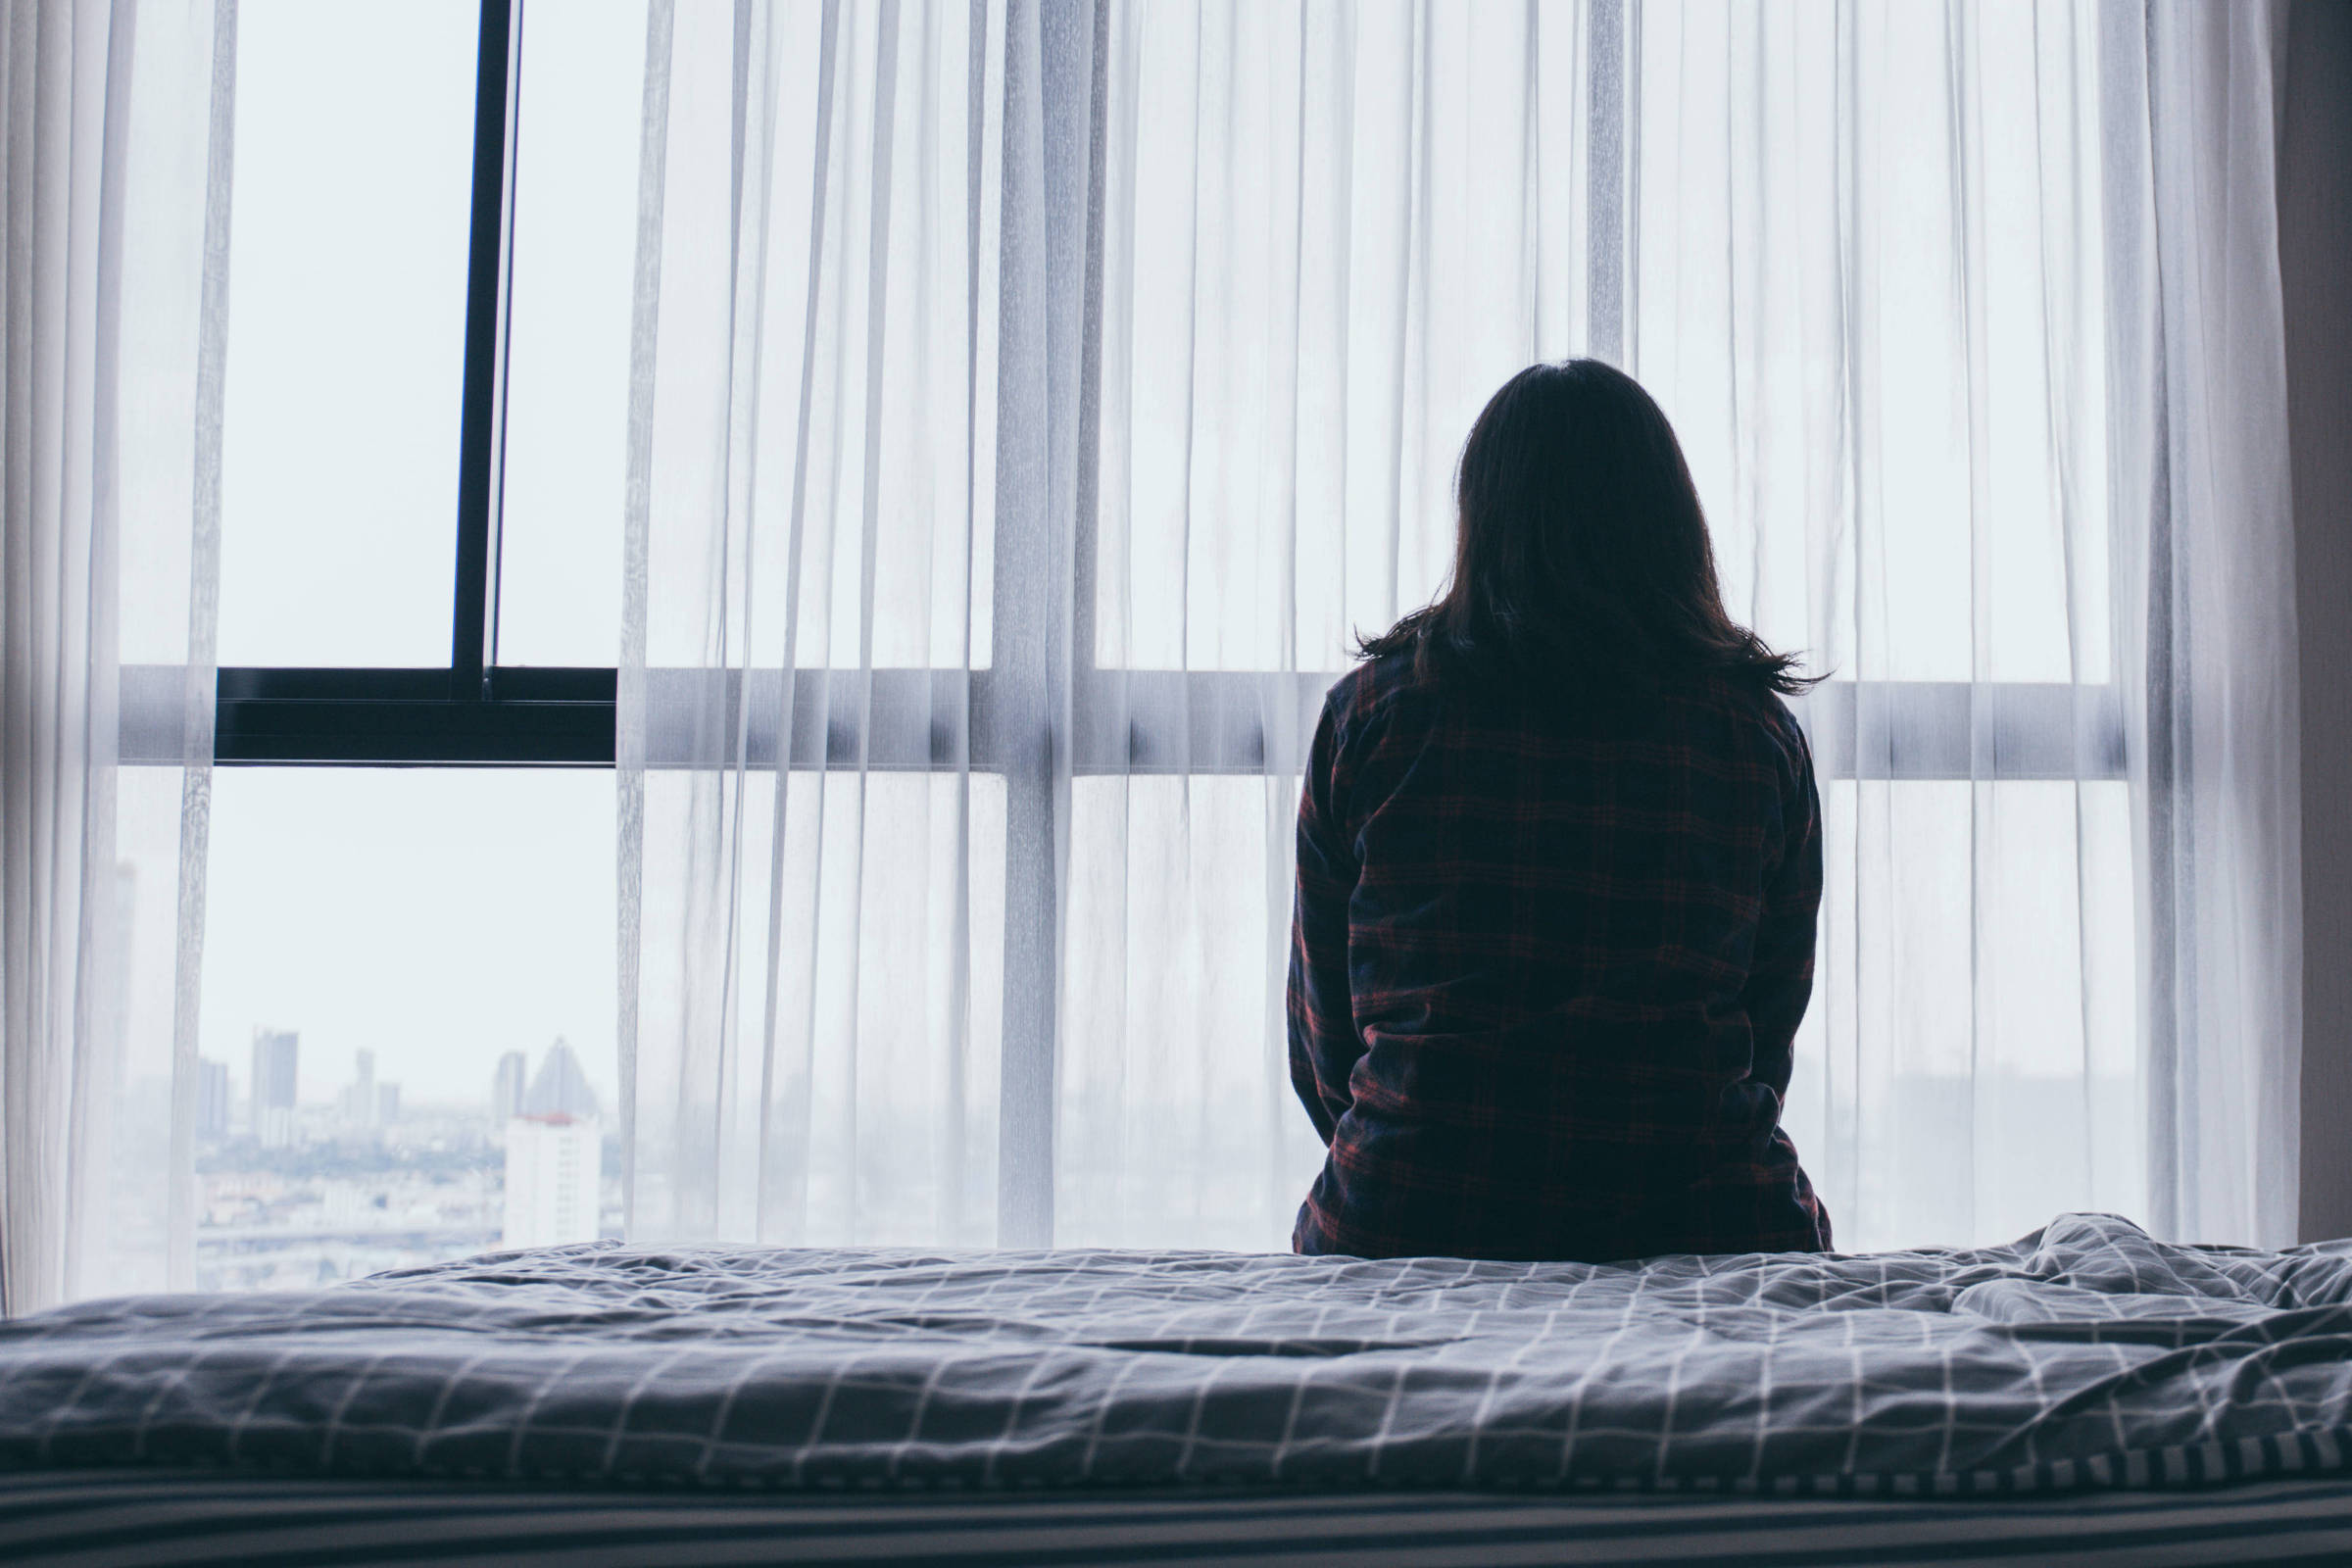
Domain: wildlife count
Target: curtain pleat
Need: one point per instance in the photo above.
(821, 867)
(116, 119)
(2217, 717)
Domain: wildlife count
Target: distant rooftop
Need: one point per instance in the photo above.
(560, 1088)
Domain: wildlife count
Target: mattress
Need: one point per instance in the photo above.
(2085, 1355)
(139, 1518)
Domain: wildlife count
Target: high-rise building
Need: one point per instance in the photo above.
(507, 1086)
(554, 1180)
(277, 1071)
(368, 1103)
(211, 1098)
(560, 1088)
(358, 1101)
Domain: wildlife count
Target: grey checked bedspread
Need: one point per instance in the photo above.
(2085, 1354)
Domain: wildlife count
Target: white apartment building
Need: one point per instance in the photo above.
(555, 1179)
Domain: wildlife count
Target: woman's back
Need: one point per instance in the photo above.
(1548, 962)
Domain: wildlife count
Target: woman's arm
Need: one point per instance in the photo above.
(1324, 1045)
(1781, 975)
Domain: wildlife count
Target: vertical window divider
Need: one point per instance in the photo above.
(482, 420)
(1606, 220)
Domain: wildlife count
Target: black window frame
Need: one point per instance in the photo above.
(474, 712)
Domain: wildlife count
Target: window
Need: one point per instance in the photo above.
(420, 214)
(407, 927)
(408, 938)
(1224, 677)
(348, 272)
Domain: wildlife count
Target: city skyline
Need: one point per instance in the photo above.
(319, 1085)
(329, 911)
(351, 1179)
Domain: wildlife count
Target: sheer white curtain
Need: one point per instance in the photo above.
(813, 863)
(2214, 724)
(114, 118)
(1032, 399)
(1969, 317)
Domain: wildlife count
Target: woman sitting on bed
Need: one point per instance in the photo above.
(1559, 854)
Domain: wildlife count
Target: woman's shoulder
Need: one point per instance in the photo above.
(1715, 710)
(1375, 686)
(1750, 716)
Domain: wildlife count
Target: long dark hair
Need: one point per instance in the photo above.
(1583, 561)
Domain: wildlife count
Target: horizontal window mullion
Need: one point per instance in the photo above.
(373, 718)
(925, 720)
(262, 683)
(1920, 730)
(401, 733)
(884, 719)
(896, 720)
(1217, 721)
(1196, 721)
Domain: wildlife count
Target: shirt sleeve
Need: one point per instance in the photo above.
(1781, 976)
(1324, 1044)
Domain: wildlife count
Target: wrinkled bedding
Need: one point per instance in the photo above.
(2084, 1355)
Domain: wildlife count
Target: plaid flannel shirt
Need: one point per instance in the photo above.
(1547, 967)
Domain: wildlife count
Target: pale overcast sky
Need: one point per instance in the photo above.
(436, 916)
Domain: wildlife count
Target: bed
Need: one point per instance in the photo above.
(187, 1519)
(2085, 1390)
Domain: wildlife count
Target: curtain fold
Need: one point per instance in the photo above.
(109, 269)
(810, 1047)
(57, 743)
(1034, 397)
(2216, 719)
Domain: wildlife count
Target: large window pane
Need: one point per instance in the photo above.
(1295, 342)
(578, 121)
(1885, 353)
(853, 1096)
(1968, 1065)
(347, 276)
(122, 1239)
(379, 946)
(1177, 1126)
(852, 516)
(159, 328)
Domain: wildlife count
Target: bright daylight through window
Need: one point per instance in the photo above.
(863, 748)
(405, 1049)
(1003, 964)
